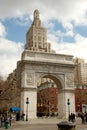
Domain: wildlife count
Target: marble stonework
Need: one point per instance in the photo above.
(60, 68)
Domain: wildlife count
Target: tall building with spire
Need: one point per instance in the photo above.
(36, 37)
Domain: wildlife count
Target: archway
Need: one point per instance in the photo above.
(62, 95)
(47, 95)
(33, 67)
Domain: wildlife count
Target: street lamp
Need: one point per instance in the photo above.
(27, 102)
(68, 103)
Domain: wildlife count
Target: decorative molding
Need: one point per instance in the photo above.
(69, 80)
(29, 78)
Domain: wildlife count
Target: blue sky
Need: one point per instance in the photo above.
(66, 23)
(14, 31)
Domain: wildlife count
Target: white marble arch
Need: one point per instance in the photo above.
(58, 67)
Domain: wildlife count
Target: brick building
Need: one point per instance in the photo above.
(81, 98)
(47, 99)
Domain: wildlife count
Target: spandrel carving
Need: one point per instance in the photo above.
(30, 78)
(69, 80)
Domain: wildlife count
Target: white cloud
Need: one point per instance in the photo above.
(77, 49)
(2, 30)
(48, 25)
(10, 8)
(10, 53)
(69, 29)
(65, 11)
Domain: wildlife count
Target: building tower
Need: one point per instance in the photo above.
(80, 71)
(36, 37)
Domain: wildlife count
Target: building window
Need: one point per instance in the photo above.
(78, 100)
(39, 38)
(39, 44)
(35, 44)
(78, 107)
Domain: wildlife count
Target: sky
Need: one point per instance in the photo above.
(65, 20)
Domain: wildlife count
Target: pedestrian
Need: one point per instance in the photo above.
(3, 121)
(10, 119)
(86, 117)
(69, 117)
(83, 118)
(23, 115)
(73, 117)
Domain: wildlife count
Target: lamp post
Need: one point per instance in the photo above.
(27, 102)
(68, 103)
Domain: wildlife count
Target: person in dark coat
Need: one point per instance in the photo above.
(83, 118)
(18, 116)
(86, 116)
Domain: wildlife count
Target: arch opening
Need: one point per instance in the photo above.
(47, 95)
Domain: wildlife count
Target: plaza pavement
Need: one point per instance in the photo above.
(45, 121)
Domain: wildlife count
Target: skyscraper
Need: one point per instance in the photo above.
(36, 37)
(80, 71)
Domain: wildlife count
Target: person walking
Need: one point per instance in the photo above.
(86, 117)
(83, 118)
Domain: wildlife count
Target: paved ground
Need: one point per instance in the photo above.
(43, 124)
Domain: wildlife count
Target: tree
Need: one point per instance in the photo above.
(9, 92)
